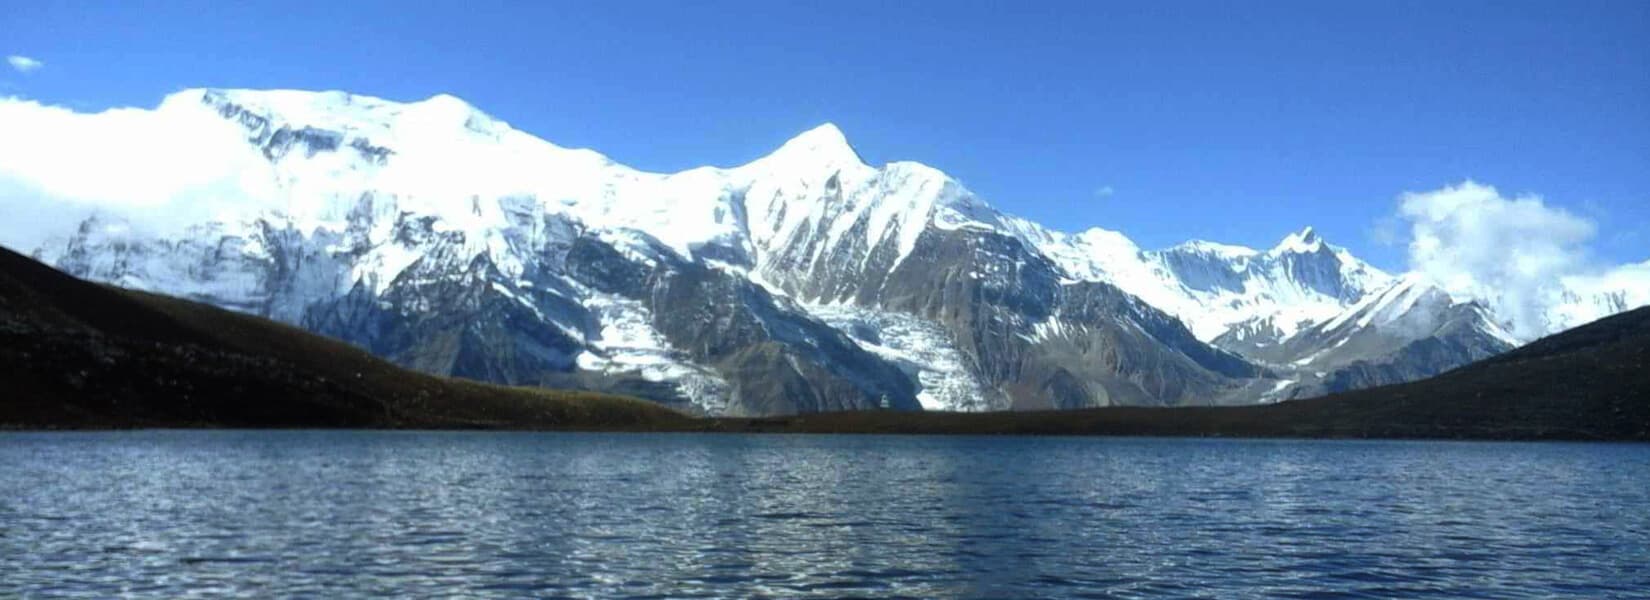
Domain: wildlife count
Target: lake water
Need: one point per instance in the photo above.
(329, 514)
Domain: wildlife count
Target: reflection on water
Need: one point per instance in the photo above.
(179, 514)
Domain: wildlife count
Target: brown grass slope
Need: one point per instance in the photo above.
(1589, 383)
(75, 355)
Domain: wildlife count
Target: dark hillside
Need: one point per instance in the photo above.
(77, 354)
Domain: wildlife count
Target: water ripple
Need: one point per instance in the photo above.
(355, 514)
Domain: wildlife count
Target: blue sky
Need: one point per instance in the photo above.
(1167, 121)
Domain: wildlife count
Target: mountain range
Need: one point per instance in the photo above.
(443, 240)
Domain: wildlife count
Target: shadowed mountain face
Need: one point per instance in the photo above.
(722, 340)
(1043, 343)
(806, 281)
(77, 354)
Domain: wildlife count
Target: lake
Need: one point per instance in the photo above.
(329, 514)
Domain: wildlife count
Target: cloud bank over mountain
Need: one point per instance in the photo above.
(164, 166)
(1514, 253)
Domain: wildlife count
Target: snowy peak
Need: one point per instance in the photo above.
(824, 146)
(303, 105)
(294, 107)
(1305, 241)
(1212, 249)
(449, 101)
(345, 112)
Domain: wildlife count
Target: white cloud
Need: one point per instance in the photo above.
(24, 64)
(162, 166)
(1387, 231)
(1104, 192)
(1517, 254)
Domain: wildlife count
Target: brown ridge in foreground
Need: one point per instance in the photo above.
(77, 355)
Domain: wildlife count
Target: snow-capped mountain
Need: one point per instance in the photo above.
(442, 238)
(1294, 309)
(1216, 287)
(1407, 330)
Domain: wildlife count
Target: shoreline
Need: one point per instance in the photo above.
(1122, 422)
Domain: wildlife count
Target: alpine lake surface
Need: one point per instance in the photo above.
(329, 514)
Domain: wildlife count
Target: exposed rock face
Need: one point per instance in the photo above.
(741, 351)
(1040, 343)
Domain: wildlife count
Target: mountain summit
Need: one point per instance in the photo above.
(824, 145)
(1303, 241)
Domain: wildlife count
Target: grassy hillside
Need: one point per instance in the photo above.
(77, 354)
